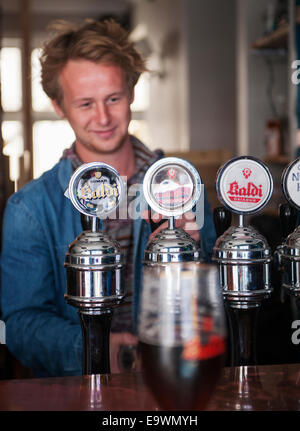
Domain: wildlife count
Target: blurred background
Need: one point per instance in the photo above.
(219, 83)
(222, 82)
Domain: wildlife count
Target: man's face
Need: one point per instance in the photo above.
(96, 102)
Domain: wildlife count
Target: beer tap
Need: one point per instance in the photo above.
(94, 261)
(289, 251)
(172, 187)
(181, 326)
(244, 186)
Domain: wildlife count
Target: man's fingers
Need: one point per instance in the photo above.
(155, 216)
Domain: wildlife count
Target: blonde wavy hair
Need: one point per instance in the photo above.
(100, 42)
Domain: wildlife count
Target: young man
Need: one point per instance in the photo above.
(89, 72)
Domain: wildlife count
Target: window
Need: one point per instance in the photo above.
(11, 88)
(40, 101)
(12, 132)
(50, 138)
(11, 101)
(50, 135)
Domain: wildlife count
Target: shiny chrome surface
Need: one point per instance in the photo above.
(288, 252)
(94, 272)
(289, 260)
(291, 246)
(243, 256)
(242, 243)
(172, 245)
(93, 250)
(94, 289)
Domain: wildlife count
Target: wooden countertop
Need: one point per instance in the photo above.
(251, 388)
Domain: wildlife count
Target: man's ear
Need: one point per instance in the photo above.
(57, 108)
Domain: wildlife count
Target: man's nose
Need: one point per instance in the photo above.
(102, 114)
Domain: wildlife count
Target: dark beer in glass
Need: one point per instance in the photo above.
(181, 334)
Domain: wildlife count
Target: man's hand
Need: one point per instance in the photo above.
(186, 222)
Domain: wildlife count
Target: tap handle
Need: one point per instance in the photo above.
(87, 222)
(288, 219)
(222, 220)
(243, 324)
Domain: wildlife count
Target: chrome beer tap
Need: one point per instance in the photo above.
(172, 187)
(180, 325)
(94, 261)
(244, 186)
(289, 251)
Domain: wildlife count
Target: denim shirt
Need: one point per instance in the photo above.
(42, 330)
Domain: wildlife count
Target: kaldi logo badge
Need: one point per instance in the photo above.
(248, 193)
(245, 185)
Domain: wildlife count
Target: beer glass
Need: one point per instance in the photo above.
(181, 331)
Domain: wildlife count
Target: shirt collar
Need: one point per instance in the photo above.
(143, 158)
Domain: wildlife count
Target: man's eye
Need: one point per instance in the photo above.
(113, 99)
(85, 105)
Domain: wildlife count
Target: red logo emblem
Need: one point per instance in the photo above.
(172, 173)
(247, 172)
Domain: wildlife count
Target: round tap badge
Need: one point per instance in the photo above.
(244, 185)
(96, 189)
(172, 186)
(291, 183)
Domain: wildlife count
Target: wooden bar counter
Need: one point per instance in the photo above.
(253, 388)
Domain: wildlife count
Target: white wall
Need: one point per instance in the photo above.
(211, 52)
(168, 111)
(193, 107)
